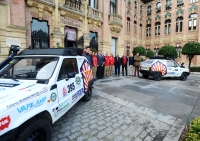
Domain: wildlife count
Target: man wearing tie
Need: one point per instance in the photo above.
(100, 65)
(117, 65)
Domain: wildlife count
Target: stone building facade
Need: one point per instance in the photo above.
(115, 26)
(162, 22)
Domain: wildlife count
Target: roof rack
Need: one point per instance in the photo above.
(160, 57)
(69, 51)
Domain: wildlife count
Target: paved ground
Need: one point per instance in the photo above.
(132, 109)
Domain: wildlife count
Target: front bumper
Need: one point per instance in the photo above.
(9, 136)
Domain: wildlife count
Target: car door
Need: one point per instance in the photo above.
(66, 85)
(170, 69)
(176, 69)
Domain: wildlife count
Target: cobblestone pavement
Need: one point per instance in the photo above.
(109, 118)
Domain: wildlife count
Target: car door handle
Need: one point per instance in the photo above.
(53, 87)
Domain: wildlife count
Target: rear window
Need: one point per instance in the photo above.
(148, 62)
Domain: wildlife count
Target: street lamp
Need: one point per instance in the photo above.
(178, 49)
(147, 48)
(156, 49)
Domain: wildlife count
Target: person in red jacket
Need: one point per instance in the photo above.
(112, 61)
(107, 64)
(94, 64)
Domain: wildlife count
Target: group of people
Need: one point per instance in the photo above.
(102, 64)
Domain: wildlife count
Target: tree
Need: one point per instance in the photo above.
(191, 49)
(139, 49)
(168, 51)
(150, 53)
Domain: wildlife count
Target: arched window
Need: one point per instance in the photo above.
(140, 30)
(135, 6)
(157, 28)
(128, 25)
(167, 26)
(93, 3)
(129, 3)
(148, 30)
(135, 28)
(180, 3)
(148, 10)
(192, 22)
(141, 9)
(112, 6)
(158, 7)
(179, 24)
(168, 4)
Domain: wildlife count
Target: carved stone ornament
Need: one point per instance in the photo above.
(116, 29)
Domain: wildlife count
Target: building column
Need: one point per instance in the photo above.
(57, 35)
(85, 32)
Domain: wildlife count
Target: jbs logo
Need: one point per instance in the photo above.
(4, 123)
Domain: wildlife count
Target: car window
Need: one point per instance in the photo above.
(175, 65)
(68, 65)
(170, 64)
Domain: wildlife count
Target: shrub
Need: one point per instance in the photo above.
(150, 53)
(194, 129)
(139, 49)
(142, 59)
(195, 69)
(168, 51)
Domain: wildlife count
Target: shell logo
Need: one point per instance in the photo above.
(158, 66)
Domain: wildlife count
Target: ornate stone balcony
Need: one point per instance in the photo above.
(35, 2)
(94, 16)
(72, 8)
(115, 22)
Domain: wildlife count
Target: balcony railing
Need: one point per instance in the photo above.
(75, 5)
(94, 13)
(115, 19)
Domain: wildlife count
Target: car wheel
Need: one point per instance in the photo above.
(145, 76)
(157, 76)
(183, 76)
(88, 95)
(35, 130)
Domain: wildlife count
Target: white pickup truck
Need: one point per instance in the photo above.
(39, 86)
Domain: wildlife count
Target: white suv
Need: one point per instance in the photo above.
(159, 67)
(37, 87)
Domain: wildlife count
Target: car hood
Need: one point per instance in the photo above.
(14, 93)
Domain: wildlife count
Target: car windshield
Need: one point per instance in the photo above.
(30, 68)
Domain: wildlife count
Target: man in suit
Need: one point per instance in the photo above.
(99, 65)
(103, 70)
(131, 64)
(124, 61)
(117, 65)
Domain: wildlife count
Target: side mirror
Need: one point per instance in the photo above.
(71, 74)
(182, 64)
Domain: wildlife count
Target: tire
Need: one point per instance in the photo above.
(88, 95)
(157, 76)
(35, 130)
(145, 76)
(183, 76)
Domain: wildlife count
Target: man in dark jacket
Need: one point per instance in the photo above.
(100, 65)
(124, 62)
(131, 64)
(117, 65)
(87, 55)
